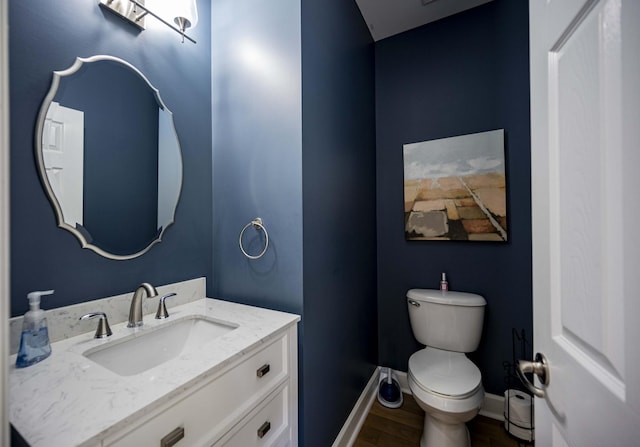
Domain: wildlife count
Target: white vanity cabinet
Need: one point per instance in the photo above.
(235, 388)
(250, 402)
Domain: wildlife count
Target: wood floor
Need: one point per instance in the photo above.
(402, 427)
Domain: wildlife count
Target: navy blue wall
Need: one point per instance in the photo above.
(463, 74)
(257, 155)
(48, 36)
(294, 143)
(257, 147)
(338, 166)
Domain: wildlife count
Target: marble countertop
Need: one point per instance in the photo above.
(68, 400)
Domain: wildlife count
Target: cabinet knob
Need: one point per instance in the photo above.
(263, 370)
(172, 438)
(264, 429)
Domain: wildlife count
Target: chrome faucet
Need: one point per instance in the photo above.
(135, 312)
(162, 307)
(103, 330)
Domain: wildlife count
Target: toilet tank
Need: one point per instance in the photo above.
(446, 320)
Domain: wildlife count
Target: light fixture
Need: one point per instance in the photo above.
(135, 12)
(185, 15)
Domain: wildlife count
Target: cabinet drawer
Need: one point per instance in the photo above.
(268, 427)
(207, 412)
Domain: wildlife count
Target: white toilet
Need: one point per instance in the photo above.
(444, 382)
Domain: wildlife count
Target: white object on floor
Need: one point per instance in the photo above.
(444, 382)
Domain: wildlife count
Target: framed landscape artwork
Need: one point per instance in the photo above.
(455, 189)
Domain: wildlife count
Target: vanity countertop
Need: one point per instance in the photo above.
(67, 400)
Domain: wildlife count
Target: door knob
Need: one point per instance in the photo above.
(539, 367)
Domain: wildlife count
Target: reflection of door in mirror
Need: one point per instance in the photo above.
(62, 149)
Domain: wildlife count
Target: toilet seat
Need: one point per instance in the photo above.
(444, 373)
(445, 382)
(432, 402)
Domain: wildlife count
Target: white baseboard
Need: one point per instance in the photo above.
(493, 407)
(402, 381)
(354, 422)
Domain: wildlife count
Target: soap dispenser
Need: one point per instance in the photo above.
(34, 340)
(444, 284)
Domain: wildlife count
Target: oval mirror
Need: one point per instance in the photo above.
(109, 157)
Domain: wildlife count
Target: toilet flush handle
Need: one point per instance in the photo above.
(414, 303)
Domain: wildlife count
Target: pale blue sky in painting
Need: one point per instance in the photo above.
(477, 153)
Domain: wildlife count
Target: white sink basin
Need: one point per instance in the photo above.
(141, 352)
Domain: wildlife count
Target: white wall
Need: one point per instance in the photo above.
(4, 223)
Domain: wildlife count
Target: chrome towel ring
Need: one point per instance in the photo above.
(257, 224)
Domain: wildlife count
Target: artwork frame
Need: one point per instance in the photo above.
(455, 188)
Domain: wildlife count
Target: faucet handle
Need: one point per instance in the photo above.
(103, 329)
(162, 308)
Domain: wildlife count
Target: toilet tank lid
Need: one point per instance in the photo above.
(449, 297)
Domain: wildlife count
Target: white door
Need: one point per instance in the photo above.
(63, 156)
(585, 144)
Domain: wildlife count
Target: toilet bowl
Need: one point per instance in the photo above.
(443, 381)
(447, 386)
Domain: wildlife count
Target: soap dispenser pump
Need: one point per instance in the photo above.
(444, 284)
(34, 340)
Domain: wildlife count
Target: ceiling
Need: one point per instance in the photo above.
(388, 17)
